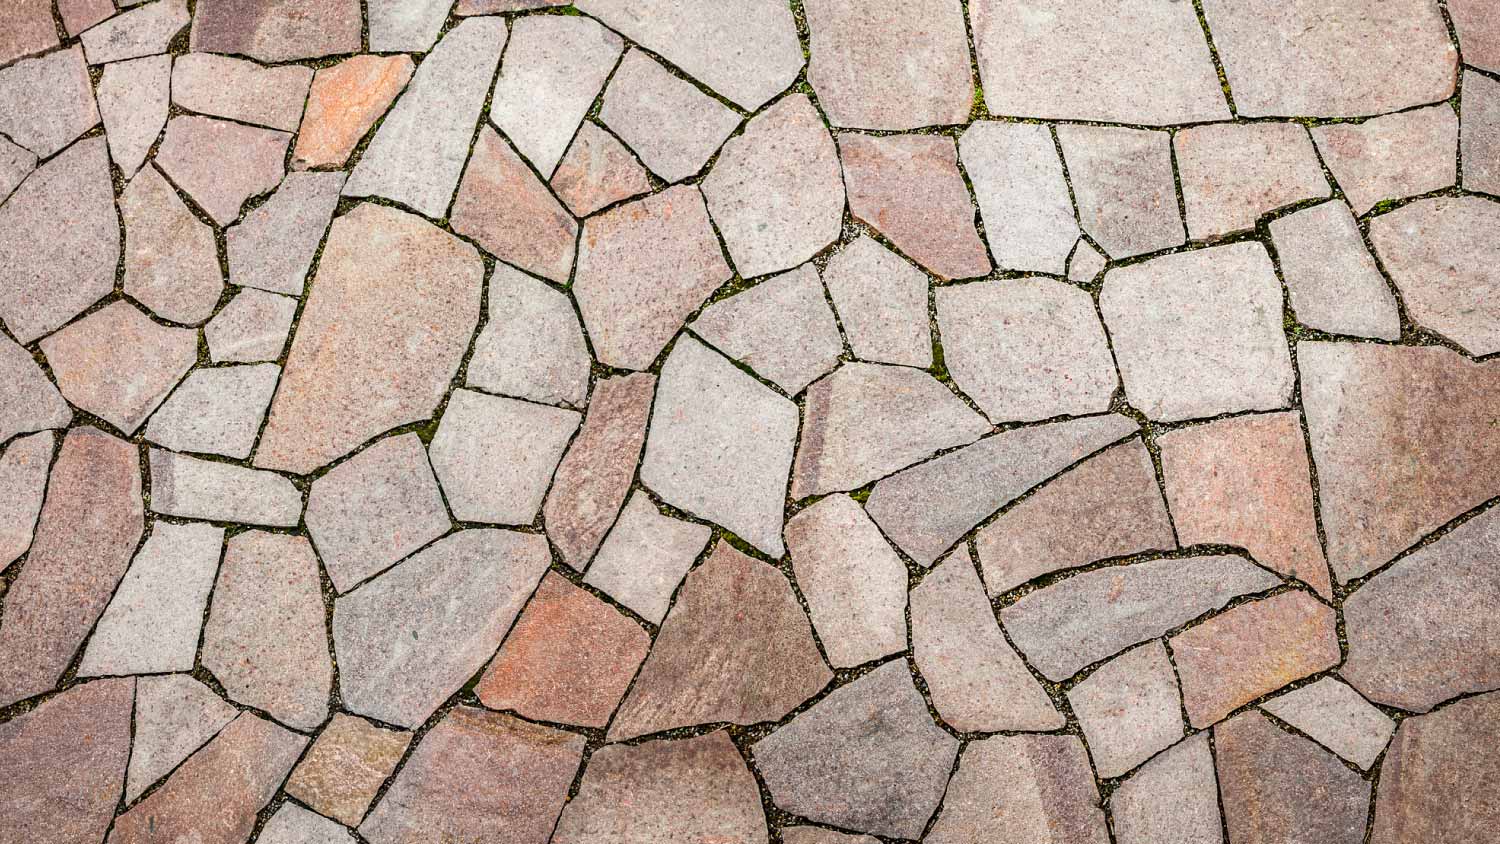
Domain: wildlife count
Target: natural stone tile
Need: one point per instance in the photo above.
(1129, 709)
(852, 580)
(1232, 173)
(908, 188)
(174, 716)
(47, 102)
(495, 456)
(1245, 482)
(143, 31)
(153, 621)
(406, 25)
(23, 483)
(1172, 798)
(532, 346)
(1073, 623)
(977, 681)
(203, 489)
(278, 30)
(379, 340)
(413, 636)
(495, 7)
(866, 757)
(1334, 283)
(1478, 33)
(1108, 506)
(273, 247)
(736, 647)
(241, 90)
(1086, 263)
(78, 15)
(1295, 60)
(29, 29)
(134, 97)
(418, 154)
(1481, 135)
(1199, 333)
(1022, 193)
(16, 163)
(511, 214)
(28, 400)
(345, 101)
(1336, 717)
(927, 508)
(252, 328)
(645, 556)
(1017, 789)
(345, 767)
(692, 789)
(1063, 63)
(1125, 187)
(596, 171)
(642, 269)
(594, 476)
(220, 164)
(1393, 156)
(293, 824)
(720, 445)
(775, 192)
(782, 328)
(669, 123)
(1278, 787)
(819, 835)
(868, 420)
(171, 258)
(568, 660)
(374, 509)
(882, 303)
(1439, 777)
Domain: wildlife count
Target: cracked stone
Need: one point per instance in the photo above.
(241, 90)
(1393, 156)
(252, 328)
(1174, 797)
(1125, 187)
(1019, 789)
(47, 102)
(1335, 716)
(278, 30)
(532, 346)
(645, 556)
(174, 716)
(511, 214)
(1129, 709)
(1232, 173)
(674, 127)
(345, 767)
(597, 171)
(134, 97)
(782, 328)
(207, 489)
(1022, 193)
(23, 485)
(171, 257)
(345, 101)
(143, 31)
(293, 824)
(30, 401)
(882, 303)
(406, 25)
(1334, 282)
(1439, 778)
(273, 248)
(495, 456)
(220, 164)
(1481, 135)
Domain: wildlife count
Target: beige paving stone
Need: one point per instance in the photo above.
(597, 171)
(1017, 789)
(143, 31)
(1393, 156)
(192, 488)
(1279, 787)
(171, 258)
(674, 127)
(645, 556)
(16, 163)
(278, 30)
(405, 25)
(1129, 709)
(1125, 187)
(1174, 797)
(495, 456)
(31, 30)
(1481, 133)
(241, 90)
(1333, 280)
(344, 102)
(1439, 776)
(23, 485)
(47, 102)
(30, 400)
(1022, 193)
(273, 247)
(174, 716)
(345, 767)
(220, 164)
(251, 328)
(782, 328)
(1336, 717)
(511, 214)
(1478, 33)
(133, 98)
(1232, 173)
(1086, 263)
(532, 345)
(293, 824)
(881, 302)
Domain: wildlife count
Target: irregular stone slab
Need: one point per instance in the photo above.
(721, 445)
(153, 621)
(1025, 52)
(674, 127)
(1125, 187)
(495, 456)
(65, 764)
(171, 258)
(241, 90)
(852, 580)
(645, 557)
(134, 97)
(418, 154)
(1478, 33)
(866, 757)
(1437, 778)
(253, 327)
(504, 207)
(23, 483)
(782, 328)
(29, 29)
(775, 193)
(31, 401)
(1402, 441)
(293, 824)
(207, 489)
(273, 247)
(345, 767)
(495, 7)
(479, 776)
(532, 345)
(1232, 173)
(1199, 333)
(976, 680)
(1296, 60)
(16, 163)
(47, 102)
(927, 508)
(174, 716)
(1069, 625)
(1245, 482)
(118, 364)
(143, 31)
(1015, 789)
(693, 789)
(1108, 506)
(819, 835)
(597, 171)
(594, 476)
(78, 15)
(215, 796)
(736, 647)
(59, 241)
(1280, 787)
(345, 101)
(568, 660)
(1334, 283)
(220, 164)
(406, 25)
(1026, 349)
(1424, 631)
(1335, 716)
(642, 269)
(1174, 797)
(908, 188)
(1022, 193)
(1129, 709)
(278, 30)
(1086, 263)
(379, 340)
(412, 637)
(1481, 136)
(1393, 156)
(866, 421)
(881, 302)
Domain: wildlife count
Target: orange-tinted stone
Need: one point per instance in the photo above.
(345, 101)
(346, 766)
(510, 212)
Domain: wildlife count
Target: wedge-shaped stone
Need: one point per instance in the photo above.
(278, 30)
(1440, 775)
(28, 400)
(674, 127)
(1023, 195)
(1335, 716)
(1232, 173)
(171, 259)
(47, 102)
(346, 766)
(866, 757)
(1019, 789)
(509, 212)
(23, 484)
(1278, 787)
(1125, 187)
(293, 824)
(16, 163)
(412, 637)
(882, 304)
(532, 345)
(736, 647)
(220, 164)
(782, 328)
(1129, 709)
(495, 456)
(241, 90)
(1481, 135)
(216, 410)
(1393, 156)
(134, 97)
(344, 102)
(1334, 282)
(174, 716)
(645, 557)
(597, 171)
(1174, 797)
(253, 327)
(274, 247)
(205, 489)
(406, 25)
(143, 31)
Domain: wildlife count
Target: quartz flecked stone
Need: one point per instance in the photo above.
(379, 340)
(645, 556)
(1393, 156)
(1481, 135)
(1332, 279)
(278, 30)
(47, 102)
(976, 680)
(174, 716)
(782, 328)
(1478, 33)
(674, 127)
(273, 247)
(1294, 59)
(345, 101)
(1439, 778)
(1172, 798)
(1060, 61)
(1022, 193)
(1232, 173)
(866, 757)
(596, 171)
(1020, 789)
(642, 269)
(23, 484)
(28, 399)
(478, 776)
(345, 767)
(735, 647)
(171, 258)
(1075, 622)
(411, 637)
(29, 29)
(720, 445)
(134, 97)
(241, 90)
(217, 410)
(16, 163)
(1108, 506)
(908, 188)
(1278, 788)
(674, 790)
(143, 31)
(511, 214)
(1125, 187)
(196, 150)
(252, 328)
(59, 241)
(406, 25)
(1335, 716)
(532, 345)
(882, 303)
(1129, 709)
(819, 835)
(207, 489)
(293, 824)
(418, 153)
(495, 456)
(868, 420)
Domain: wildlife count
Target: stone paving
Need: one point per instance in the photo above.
(749, 421)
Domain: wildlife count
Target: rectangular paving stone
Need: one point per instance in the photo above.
(1125, 187)
(1333, 280)
(645, 556)
(241, 90)
(1232, 173)
(204, 489)
(1393, 156)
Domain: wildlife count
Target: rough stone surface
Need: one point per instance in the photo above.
(23, 483)
(782, 328)
(143, 31)
(532, 346)
(882, 303)
(1124, 186)
(216, 411)
(1172, 798)
(1232, 173)
(79, 15)
(1335, 716)
(31, 402)
(1019, 789)
(1022, 193)
(597, 171)
(511, 214)
(1478, 33)
(1333, 281)
(29, 29)
(47, 102)
(252, 328)
(1393, 156)
(1439, 778)
(1129, 709)
(345, 101)
(194, 154)
(174, 716)
(674, 127)
(278, 30)
(345, 767)
(1086, 264)
(293, 824)
(16, 163)
(241, 90)
(1481, 135)
(274, 247)
(819, 835)
(206, 489)
(134, 97)
(495, 456)
(645, 556)
(171, 259)
(406, 25)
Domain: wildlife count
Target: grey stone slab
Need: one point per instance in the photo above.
(1023, 196)
(1172, 798)
(532, 346)
(23, 483)
(28, 399)
(1332, 278)
(203, 489)
(174, 716)
(241, 90)
(1336, 717)
(143, 31)
(1020, 789)
(405, 26)
(273, 247)
(221, 164)
(1232, 173)
(1125, 187)
(252, 328)
(782, 328)
(669, 123)
(293, 824)
(171, 257)
(134, 97)
(1481, 132)
(1393, 156)
(1129, 709)
(16, 163)
(48, 101)
(881, 301)
(645, 556)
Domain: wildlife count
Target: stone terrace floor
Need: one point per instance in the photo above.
(750, 422)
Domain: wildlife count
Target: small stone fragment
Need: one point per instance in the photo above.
(1172, 798)
(1023, 196)
(207, 489)
(882, 303)
(241, 90)
(1129, 709)
(1481, 135)
(23, 484)
(171, 259)
(1125, 187)
(410, 26)
(143, 31)
(174, 716)
(782, 328)
(532, 345)
(78, 15)
(1086, 264)
(495, 456)
(30, 401)
(293, 824)
(1232, 173)
(645, 556)
(345, 767)
(1336, 717)
(279, 30)
(220, 164)
(345, 101)
(29, 29)
(273, 247)
(47, 102)
(511, 214)
(134, 97)
(597, 171)
(1020, 789)
(1333, 280)
(1439, 778)
(1393, 156)
(252, 328)
(670, 124)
